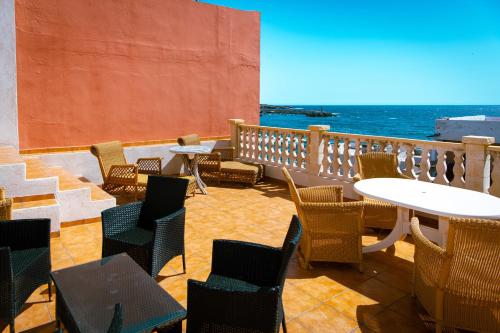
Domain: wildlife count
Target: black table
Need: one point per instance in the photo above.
(86, 295)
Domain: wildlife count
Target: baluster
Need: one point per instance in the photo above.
(424, 166)
(252, 144)
(299, 150)
(441, 167)
(293, 148)
(346, 163)
(495, 173)
(284, 148)
(369, 146)
(382, 146)
(409, 160)
(357, 151)
(458, 170)
(277, 145)
(335, 157)
(326, 161)
(264, 148)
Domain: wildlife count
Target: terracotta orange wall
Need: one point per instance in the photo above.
(96, 70)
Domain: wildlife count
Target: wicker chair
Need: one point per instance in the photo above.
(219, 165)
(120, 177)
(244, 290)
(459, 286)
(332, 228)
(5, 206)
(151, 232)
(24, 264)
(378, 214)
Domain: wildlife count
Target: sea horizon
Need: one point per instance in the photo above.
(413, 121)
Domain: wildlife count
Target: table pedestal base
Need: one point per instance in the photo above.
(402, 228)
(191, 166)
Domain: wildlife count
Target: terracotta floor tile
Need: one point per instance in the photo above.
(324, 318)
(321, 287)
(355, 305)
(296, 301)
(379, 291)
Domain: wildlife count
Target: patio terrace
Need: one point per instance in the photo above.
(330, 298)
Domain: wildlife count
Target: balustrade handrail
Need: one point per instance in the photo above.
(389, 139)
(279, 129)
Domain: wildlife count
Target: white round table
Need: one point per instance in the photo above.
(441, 200)
(188, 153)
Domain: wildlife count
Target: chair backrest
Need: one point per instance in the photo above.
(108, 154)
(474, 248)
(164, 196)
(291, 185)
(5, 206)
(377, 165)
(289, 246)
(189, 140)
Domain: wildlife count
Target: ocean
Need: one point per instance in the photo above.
(404, 121)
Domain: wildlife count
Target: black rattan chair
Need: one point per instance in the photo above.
(151, 232)
(244, 289)
(24, 264)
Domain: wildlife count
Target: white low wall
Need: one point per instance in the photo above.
(84, 164)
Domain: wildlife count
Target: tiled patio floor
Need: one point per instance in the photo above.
(330, 298)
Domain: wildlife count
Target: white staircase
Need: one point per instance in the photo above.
(40, 190)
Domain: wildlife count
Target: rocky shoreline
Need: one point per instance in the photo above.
(282, 109)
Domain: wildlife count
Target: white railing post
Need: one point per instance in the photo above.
(315, 148)
(235, 135)
(477, 162)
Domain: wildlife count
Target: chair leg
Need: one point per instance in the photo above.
(50, 291)
(283, 322)
(12, 328)
(184, 263)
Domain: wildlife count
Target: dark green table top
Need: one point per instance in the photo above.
(90, 291)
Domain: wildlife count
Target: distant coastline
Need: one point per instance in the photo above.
(285, 109)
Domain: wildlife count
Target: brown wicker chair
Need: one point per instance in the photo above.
(332, 229)
(459, 286)
(5, 206)
(120, 177)
(219, 165)
(378, 214)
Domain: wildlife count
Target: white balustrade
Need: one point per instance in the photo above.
(274, 146)
(430, 161)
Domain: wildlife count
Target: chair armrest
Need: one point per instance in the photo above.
(25, 234)
(403, 176)
(329, 193)
(226, 152)
(120, 218)
(244, 311)
(125, 174)
(429, 258)
(6, 278)
(254, 263)
(208, 162)
(149, 165)
(356, 178)
(168, 237)
(372, 203)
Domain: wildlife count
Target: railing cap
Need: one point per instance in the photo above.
(236, 121)
(478, 140)
(319, 127)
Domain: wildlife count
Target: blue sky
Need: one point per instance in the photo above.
(378, 51)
